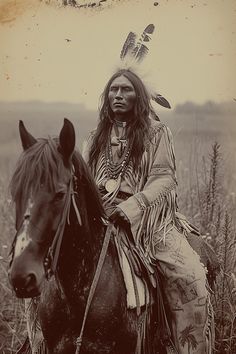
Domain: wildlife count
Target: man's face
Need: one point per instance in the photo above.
(121, 96)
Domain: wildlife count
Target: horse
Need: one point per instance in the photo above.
(61, 228)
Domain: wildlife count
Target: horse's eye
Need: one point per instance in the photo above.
(59, 196)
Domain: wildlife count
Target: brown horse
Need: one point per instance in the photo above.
(60, 228)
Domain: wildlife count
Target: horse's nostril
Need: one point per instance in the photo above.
(30, 281)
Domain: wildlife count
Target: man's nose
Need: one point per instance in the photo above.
(119, 93)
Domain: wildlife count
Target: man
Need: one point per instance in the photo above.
(132, 159)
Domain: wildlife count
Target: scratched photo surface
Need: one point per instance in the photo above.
(55, 59)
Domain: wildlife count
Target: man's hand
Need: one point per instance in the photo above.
(119, 217)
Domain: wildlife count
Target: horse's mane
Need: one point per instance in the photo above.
(94, 203)
(42, 164)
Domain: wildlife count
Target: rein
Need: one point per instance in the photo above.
(94, 283)
(51, 260)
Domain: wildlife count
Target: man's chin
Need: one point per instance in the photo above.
(120, 110)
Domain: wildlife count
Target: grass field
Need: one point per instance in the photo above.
(205, 142)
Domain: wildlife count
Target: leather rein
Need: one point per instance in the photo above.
(51, 259)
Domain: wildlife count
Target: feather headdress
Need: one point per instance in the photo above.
(132, 54)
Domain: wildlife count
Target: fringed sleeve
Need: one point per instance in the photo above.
(151, 210)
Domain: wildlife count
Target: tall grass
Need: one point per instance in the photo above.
(12, 321)
(216, 221)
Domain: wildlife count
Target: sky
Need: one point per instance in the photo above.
(54, 53)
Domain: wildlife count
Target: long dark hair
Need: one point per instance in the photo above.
(137, 127)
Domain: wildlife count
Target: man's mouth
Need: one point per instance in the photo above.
(118, 104)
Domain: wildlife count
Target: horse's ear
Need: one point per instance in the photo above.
(27, 139)
(67, 139)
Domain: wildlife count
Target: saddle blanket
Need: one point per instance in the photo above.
(138, 292)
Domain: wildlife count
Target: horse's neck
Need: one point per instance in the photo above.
(80, 251)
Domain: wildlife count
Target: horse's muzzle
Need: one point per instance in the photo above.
(24, 287)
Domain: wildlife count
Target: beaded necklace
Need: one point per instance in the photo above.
(115, 171)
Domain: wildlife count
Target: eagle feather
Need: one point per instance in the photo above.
(128, 45)
(160, 100)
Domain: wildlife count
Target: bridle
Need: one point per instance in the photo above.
(51, 259)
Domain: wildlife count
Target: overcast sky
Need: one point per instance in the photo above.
(52, 53)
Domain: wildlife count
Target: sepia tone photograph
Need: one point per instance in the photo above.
(118, 174)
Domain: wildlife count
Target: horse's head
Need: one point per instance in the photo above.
(41, 188)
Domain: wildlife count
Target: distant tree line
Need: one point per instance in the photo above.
(209, 107)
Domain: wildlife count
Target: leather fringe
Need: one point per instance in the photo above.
(144, 343)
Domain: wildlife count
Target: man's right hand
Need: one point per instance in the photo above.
(119, 217)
